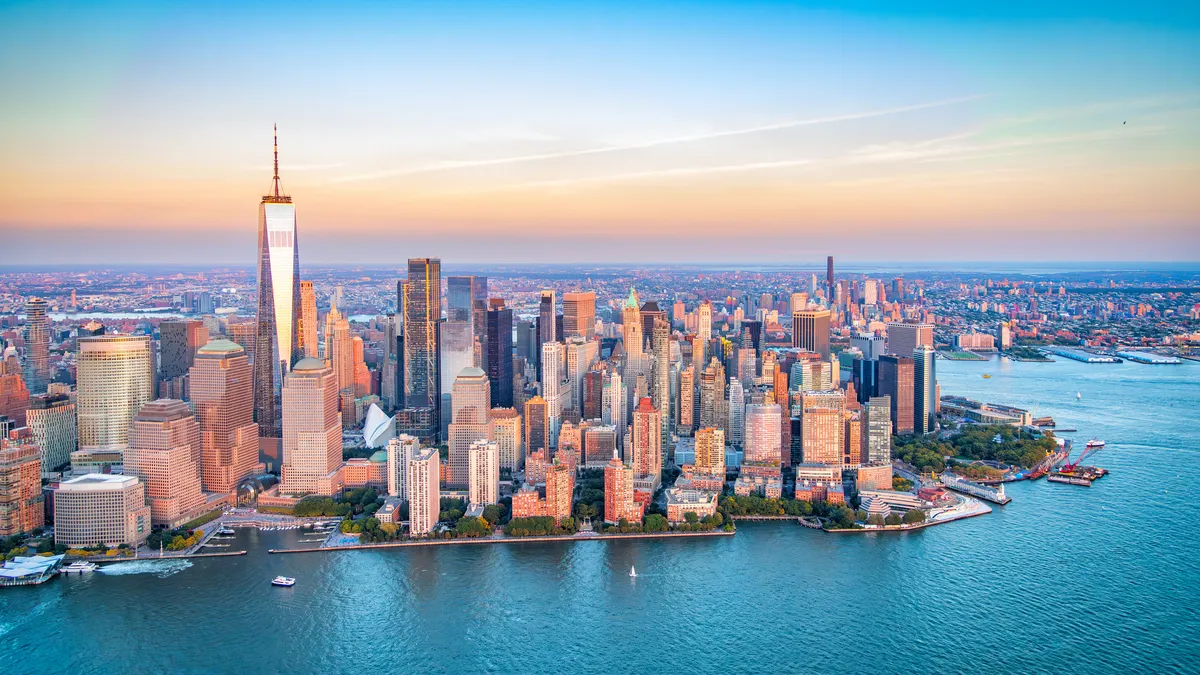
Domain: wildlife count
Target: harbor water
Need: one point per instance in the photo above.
(1063, 580)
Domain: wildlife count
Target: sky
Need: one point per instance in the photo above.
(746, 132)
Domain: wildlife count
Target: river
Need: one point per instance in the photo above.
(1064, 579)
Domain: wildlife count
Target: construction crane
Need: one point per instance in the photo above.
(1088, 451)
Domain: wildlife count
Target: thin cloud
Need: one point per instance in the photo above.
(451, 165)
(926, 152)
(937, 149)
(663, 173)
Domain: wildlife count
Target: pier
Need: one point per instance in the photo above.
(1082, 356)
(986, 492)
(1150, 358)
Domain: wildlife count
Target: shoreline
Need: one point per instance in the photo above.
(634, 535)
(117, 559)
(914, 526)
(506, 540)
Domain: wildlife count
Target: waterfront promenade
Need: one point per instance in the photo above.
(499, 539)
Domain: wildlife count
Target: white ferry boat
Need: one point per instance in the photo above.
(81, 566)
(283, 581)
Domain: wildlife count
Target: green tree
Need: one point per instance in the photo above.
(472, 527)
(655, 523)
(691, 517)
(892, 519)
(493, 513)
(841, 517)
(914, 516)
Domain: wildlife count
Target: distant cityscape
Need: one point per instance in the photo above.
(144, 413)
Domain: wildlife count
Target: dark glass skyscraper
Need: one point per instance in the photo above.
(924, 389)
(178, 342)
(547, 323)
(500, 354)
(422, 316)
(895, 379)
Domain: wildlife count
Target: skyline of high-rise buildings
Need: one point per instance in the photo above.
(610, 377)
(673, 285)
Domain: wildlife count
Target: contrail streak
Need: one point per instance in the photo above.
(451, 165)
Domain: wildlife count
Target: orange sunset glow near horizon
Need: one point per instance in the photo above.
(627, 134)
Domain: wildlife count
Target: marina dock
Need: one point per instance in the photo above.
(1081, 355)
(1150, 358)
(986, 492)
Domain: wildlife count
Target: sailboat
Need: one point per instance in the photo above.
(1078, 395)
(632, 572)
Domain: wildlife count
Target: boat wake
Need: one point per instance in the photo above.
(160, 568)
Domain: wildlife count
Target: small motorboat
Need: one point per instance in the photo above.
(283, 581)
(81, 566)
(632, 572)
(986, 376)
(1095, 443)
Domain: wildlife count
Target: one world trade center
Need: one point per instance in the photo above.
(275, 346)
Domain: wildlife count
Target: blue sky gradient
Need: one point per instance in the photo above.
(533, 131)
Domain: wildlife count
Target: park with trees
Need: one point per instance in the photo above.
(993, 442)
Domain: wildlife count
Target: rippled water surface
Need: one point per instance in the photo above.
(1064, 579)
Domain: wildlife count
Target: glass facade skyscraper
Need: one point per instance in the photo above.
(924, 389)
(422, 318)
(276, 346)
(500, 354)
(37, 346)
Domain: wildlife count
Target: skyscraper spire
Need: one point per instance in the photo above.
(276, 196)
(276, 179)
